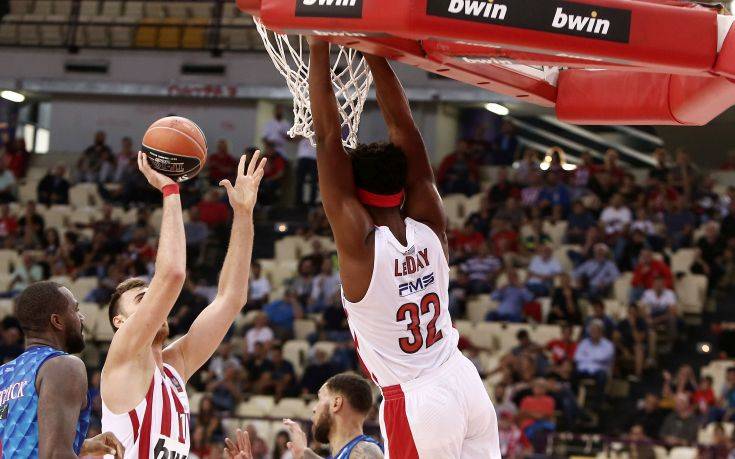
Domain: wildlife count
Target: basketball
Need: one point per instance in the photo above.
(176, 147)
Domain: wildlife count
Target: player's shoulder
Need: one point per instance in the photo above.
(366, 450)
(64, 363)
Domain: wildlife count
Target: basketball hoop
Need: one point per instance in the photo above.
(351, 79)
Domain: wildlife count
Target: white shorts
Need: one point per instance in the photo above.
(446, 414)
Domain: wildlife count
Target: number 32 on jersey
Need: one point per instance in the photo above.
(414, 312)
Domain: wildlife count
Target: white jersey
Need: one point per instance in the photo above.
(159, 426)
(402, 328)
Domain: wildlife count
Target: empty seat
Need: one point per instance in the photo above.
(53, 32)
(82, 286)
(112, 8)
(464, 327)
(287, 408)
(88, 8)
(286, 248)
(177, 10)
(195, 34)
(21, 6)
(622, 287)
(154, 10)
(133, 10)
(43, 7)
(203, 10)
(8, 258)
(9, 36)
(295, 351)
(169, 35)
(327, 346)
(303, 328)
(478, 307)
(691, 291)
(29, 35)
(6, 307)
(146, 37)
(682, 259)
(250, 409)
(195, 399)
(235, 34)
(485, 335)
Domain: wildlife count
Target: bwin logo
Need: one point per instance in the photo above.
(421, 283)
(486, 60)
(478, 9)
(330, 2)
(589, 24)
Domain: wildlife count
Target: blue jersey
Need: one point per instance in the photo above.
(346, 450)
(19, 405)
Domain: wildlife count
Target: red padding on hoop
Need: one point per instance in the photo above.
(725, 64)
(609, 97)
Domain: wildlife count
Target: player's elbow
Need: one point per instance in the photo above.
(172, 275)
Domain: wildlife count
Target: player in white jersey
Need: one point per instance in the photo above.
(144, 400)
(390, 229)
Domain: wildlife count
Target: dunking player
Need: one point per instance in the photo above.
(389, 226)
(44, 407)
(144, 398)
(344, 402)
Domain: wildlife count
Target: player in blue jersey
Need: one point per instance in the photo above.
(344, 403)
(44, 407)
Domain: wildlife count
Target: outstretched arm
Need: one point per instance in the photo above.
(190, 352)
(136, 335)
(349, 219)
(423, 202)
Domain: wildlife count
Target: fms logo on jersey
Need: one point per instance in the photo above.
(329, 8)
(420, 284)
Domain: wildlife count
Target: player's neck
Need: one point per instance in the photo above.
(390, 218)
(344, 432)
(49, 341)
(157, 351)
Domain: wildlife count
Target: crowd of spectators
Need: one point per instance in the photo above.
(612, 224)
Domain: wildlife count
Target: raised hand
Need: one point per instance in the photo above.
(241, 450)
(298, 444)
(243, 195)
(156, 179)
(103, 444)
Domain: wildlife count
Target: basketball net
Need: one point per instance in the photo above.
(351, 79)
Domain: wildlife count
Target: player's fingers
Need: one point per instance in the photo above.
(241, 165)
(226, 184)
(228, 454)
(253, 162)
(289, 445)
(229, 444)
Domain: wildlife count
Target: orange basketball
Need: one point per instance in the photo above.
(175, 147)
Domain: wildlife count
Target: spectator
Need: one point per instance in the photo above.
(276, 130)
(579, 222)
(459, 292)
(680, 427)
(680, 223)
(598, 313)
(125, 160)
(197, 233)
(597, 275)
(88, 166)
(282, 313)
(459, 172)
(646, 271)
(649, 415)
(7, 184)
(502, 190)
(303, 282)
(212, 211)
(282, 375)
(562, 349)
(222, 165)
(107, 168)
(8, 225)
(17, 158)
(627, 258)
(259, 288)
(222, 358)
(659, 195)
(710, 246)
(258, 368)
(512, 297)
(12, 343)
(306, 172)
(226, 392)
(661, 170)
(25, 273)
(334, 323)
(53, 187)
(536, 415)
(639, 445)
(505, 144)
(594, 358)
(504, 239)
(565, 303)
(531, 193)
(482, 268)
(259, 333)
(465, 242)
(704, 398)
(685, 383)
(583, 174)
(280, 448)
(616, 217)
(316, 373)
(542, 271)
(273, 177)
(325, 287)
(660, 303)
(259, 448)
(554, 194)
(511, 444)
(632, 339)
(208, 419)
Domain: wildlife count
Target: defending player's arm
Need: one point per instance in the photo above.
(366, 450)
(190, 352)
(423, 202)
(62, 393)
(348, 218)
(139, 330)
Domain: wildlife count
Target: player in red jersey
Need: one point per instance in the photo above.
(143, 384)
(390, 229)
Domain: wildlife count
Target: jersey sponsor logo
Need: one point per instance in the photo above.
(168, 449)
(421, 284)
(329, 8)
(12, 392)
(559, 17)
(412, 263)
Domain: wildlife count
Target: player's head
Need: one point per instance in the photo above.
(125, 301)
(345, 395)
(49, 310)
(379, 170)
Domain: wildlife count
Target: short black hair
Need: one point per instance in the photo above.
(37, 303)
(354, 388)
(522, 334)
(379, 168)
(114, 307)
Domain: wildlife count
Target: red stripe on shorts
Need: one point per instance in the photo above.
(400, 440)
(144, 447)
